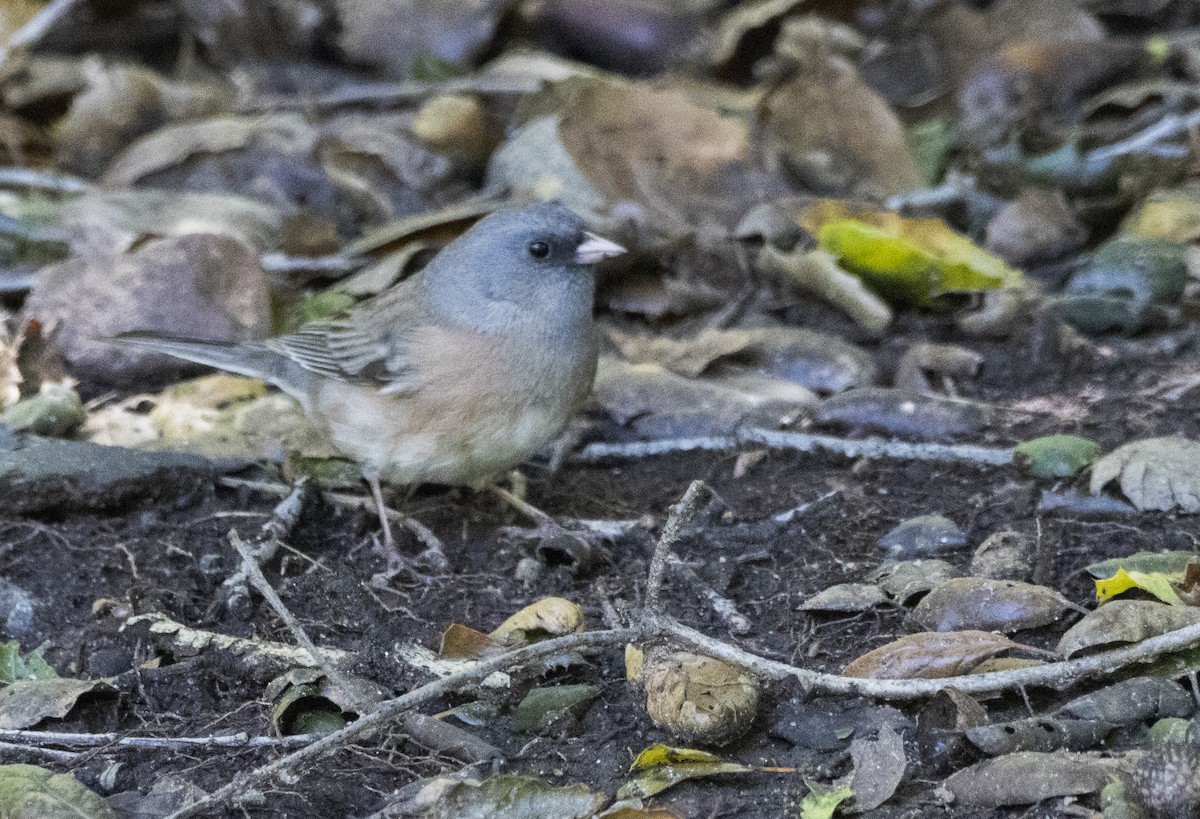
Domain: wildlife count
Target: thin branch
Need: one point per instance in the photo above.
(235, 591)
(25, 739)
(387, 711)
(681, 514)
(872, 447)
(1052, 675)
(49, 754)
(737, 623)
(270, 656)
(259, 581)
(51, 181)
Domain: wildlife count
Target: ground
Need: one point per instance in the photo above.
(172, 560)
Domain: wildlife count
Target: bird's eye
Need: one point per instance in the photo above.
(539, 250)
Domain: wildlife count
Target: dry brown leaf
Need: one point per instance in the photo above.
(1029, 777)
(461, 642)
(838, 134)
(929, 655)
(548, 617)
(688, 163)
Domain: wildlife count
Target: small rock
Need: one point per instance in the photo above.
(16, 610)
(55, 412)
(1004, 556)
(46, 474)
(200, 285)
(924, 535)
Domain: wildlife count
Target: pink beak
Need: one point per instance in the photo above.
(596, 248)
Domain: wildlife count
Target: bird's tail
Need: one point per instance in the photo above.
(242, 358)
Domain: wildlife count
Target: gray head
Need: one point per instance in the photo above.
(530, 267)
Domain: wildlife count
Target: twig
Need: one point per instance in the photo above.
(806, 442)
(45, 753)
(389, 710)
(272, 657)
(42, 180)
(1168, 127)
(681, 515)
(394, 93)
(737, 623)
(234, 592)
(259, 581)
(434, 550)
(333, 264)
(33, 739)
(1052, 675)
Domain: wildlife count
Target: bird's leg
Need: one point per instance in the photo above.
(433, 554)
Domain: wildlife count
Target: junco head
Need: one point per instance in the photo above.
(457, 373)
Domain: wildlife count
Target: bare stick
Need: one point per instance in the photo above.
(234, 591)
(387, 711)
(298, 633)
(45, 753)
(737, 623)
(1053, 675)
(12, 176)
(807, 442)
(270, 657)
(681, 515)
(33, 739)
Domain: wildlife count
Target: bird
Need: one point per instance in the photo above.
(456, 374)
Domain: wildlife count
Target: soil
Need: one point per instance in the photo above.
(80, 568)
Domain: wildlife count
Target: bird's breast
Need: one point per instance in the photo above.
(479, 405)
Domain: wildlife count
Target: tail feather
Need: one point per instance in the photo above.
(243, 358)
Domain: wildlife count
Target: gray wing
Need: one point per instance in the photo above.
(368, 346)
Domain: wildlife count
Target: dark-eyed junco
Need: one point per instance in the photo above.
(456, 374)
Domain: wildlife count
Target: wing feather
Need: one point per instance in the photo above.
(358, 347)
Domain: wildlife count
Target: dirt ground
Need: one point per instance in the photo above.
(172, 560)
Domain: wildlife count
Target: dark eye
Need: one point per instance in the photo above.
(539, 250)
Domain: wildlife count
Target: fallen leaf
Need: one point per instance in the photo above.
(661, 766)
(1160, 474)
(1029, 777)
(1134, 700)
(1055, 456)
(547, 617)
(989, 605)
(27, 702)
(459, 796)
(1125, 621)
(915, 261)
(879, 766)
(30, 792)
(542, 708)
(929, 655)
(1160, 585)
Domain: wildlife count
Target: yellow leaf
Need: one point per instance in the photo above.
(909, 260)
(1156, 583)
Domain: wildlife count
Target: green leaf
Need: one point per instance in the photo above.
(661, 766)
(30, 792)
(915, 261)
(543, 707)
(1056, 456)
(14, 667)
(929, 142)
(822, 805)
(1165, 562)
